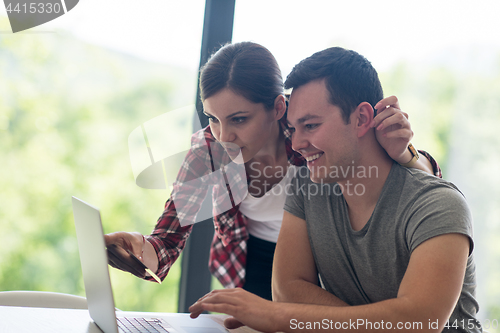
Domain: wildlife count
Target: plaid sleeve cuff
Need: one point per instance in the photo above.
(157, 245)
(435, 167)
(166, 255)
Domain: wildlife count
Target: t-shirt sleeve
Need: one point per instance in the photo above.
(438, 211)
(294, 203)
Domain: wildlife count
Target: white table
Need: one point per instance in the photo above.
(44, 320)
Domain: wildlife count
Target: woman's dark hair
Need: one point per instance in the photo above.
(350, 78)
(247, 68)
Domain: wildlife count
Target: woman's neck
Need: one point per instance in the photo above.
(274, 151)
(269, 166)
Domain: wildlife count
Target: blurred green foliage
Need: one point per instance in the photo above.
(66, 111)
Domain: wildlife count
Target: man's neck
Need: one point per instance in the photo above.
(363, 191)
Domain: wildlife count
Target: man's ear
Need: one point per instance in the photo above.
(279, 107)
(364, 117)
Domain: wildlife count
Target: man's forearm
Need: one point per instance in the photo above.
(394, 315)
(300, 291)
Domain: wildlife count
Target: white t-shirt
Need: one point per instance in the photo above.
(265, 214)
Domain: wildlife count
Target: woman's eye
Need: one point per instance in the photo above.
(212, 119)
(238, 120)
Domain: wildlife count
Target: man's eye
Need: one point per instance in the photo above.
(311, 126)
(238, 120)
(292, 129)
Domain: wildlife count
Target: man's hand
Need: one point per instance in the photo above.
(244, 307)
(393, 130)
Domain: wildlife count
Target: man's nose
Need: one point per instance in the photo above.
(299, 142)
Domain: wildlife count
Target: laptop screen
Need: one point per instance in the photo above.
(94, 261)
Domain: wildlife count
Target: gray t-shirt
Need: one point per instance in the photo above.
(367, 266)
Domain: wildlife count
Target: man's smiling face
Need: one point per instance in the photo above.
(320, 133)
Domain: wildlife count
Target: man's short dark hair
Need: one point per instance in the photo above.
(350, 78)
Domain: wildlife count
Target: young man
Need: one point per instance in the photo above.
(392, 246)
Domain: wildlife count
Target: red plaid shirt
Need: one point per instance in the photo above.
(229, 246)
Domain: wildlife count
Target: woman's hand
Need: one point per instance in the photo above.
(393, 130)
(244, 307)
(118, 243)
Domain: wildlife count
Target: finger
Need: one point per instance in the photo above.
(119, 243)
(384, 114)
(124, 261)
(395, 119)
(116, 262)
(220, 308)
(136, 270)
(232, 323)
(230, 296)
(115, 238)
(388, 101)
(112, 264)
(224, 296)
(207, 295)
(196, 309)
(206, 305)
(108, 239)
(131, 241)
(403, 134)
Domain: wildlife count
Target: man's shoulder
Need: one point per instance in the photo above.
(419, 180)
(426, 191)
(431, 206)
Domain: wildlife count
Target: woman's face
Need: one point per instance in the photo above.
(239, 124)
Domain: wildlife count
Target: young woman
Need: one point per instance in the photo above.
(242, 94)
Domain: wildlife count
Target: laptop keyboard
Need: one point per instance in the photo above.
(140, 325)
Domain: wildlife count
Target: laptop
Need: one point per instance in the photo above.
(101, 304)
